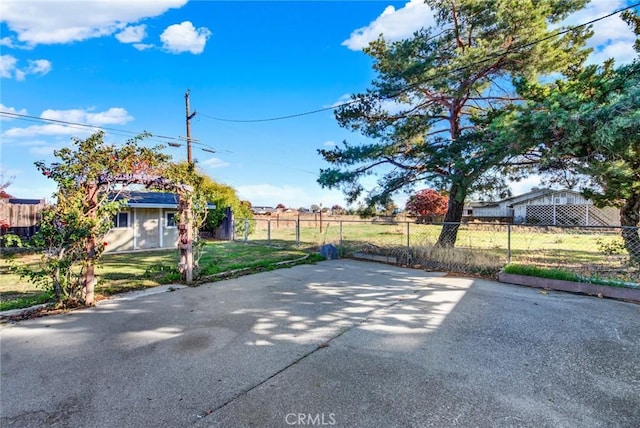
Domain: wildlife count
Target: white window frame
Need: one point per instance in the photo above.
(166, 219)
(116, 224)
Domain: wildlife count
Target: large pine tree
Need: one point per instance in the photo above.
(427, 114)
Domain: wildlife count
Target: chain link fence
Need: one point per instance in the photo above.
(478, 248)
(572, 215)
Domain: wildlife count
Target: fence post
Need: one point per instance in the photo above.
(586, 215)
(341, 247)
(233, 229)
(269, 232)
(508, 243)
(408, 241)
(298, 232)
(246, 230)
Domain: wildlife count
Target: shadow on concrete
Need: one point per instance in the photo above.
(371, 344)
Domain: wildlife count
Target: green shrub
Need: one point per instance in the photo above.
(612, 247)
(11, 240)
(563, 275)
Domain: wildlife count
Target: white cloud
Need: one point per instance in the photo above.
(621, 52)
(344, 98)
(525, 185)
(329, 144)
(7, 42)
(390, 106)
(46, 130)
(6, 109)
(49, 22)
(112, 116)
(142, 46)
(612, 37)
(184, 37)
(132, 34)
(213, 163)
(394, 107)
(394, 24)
(9, 67)
(39, 66)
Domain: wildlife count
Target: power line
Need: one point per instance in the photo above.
(79, 125)
(75, 126)
(306, 113)
(409, 87)
(270, 119)
(122, 132)
(116, 131)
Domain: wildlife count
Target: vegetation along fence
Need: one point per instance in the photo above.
(482, 248)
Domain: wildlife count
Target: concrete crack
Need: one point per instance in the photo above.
(322, 345)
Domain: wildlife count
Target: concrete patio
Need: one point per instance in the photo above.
(339, 343)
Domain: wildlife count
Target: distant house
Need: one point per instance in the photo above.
(544, 206)
(148, 221)
(263, 210)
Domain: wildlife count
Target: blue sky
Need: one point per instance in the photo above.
(126, 65)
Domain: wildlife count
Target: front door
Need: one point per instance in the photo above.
(147, 232)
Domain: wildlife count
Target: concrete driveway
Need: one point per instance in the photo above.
(340, 343)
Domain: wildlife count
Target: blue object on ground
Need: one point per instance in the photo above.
(329, 251)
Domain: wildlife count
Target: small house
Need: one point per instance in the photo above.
(147, 221)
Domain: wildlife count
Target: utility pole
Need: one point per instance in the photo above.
(189, 116)
(185, 227)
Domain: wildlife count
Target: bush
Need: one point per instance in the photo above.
(612, 247)
(11, 240)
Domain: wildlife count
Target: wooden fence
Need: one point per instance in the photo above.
(20, 217)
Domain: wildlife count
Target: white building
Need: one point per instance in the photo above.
(544, 206)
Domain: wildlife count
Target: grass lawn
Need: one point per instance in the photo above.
(118, 273)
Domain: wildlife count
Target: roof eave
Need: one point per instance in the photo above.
(150, 205)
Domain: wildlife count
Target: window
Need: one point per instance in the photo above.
(469, 212)
(121, 220)
(171, 220)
